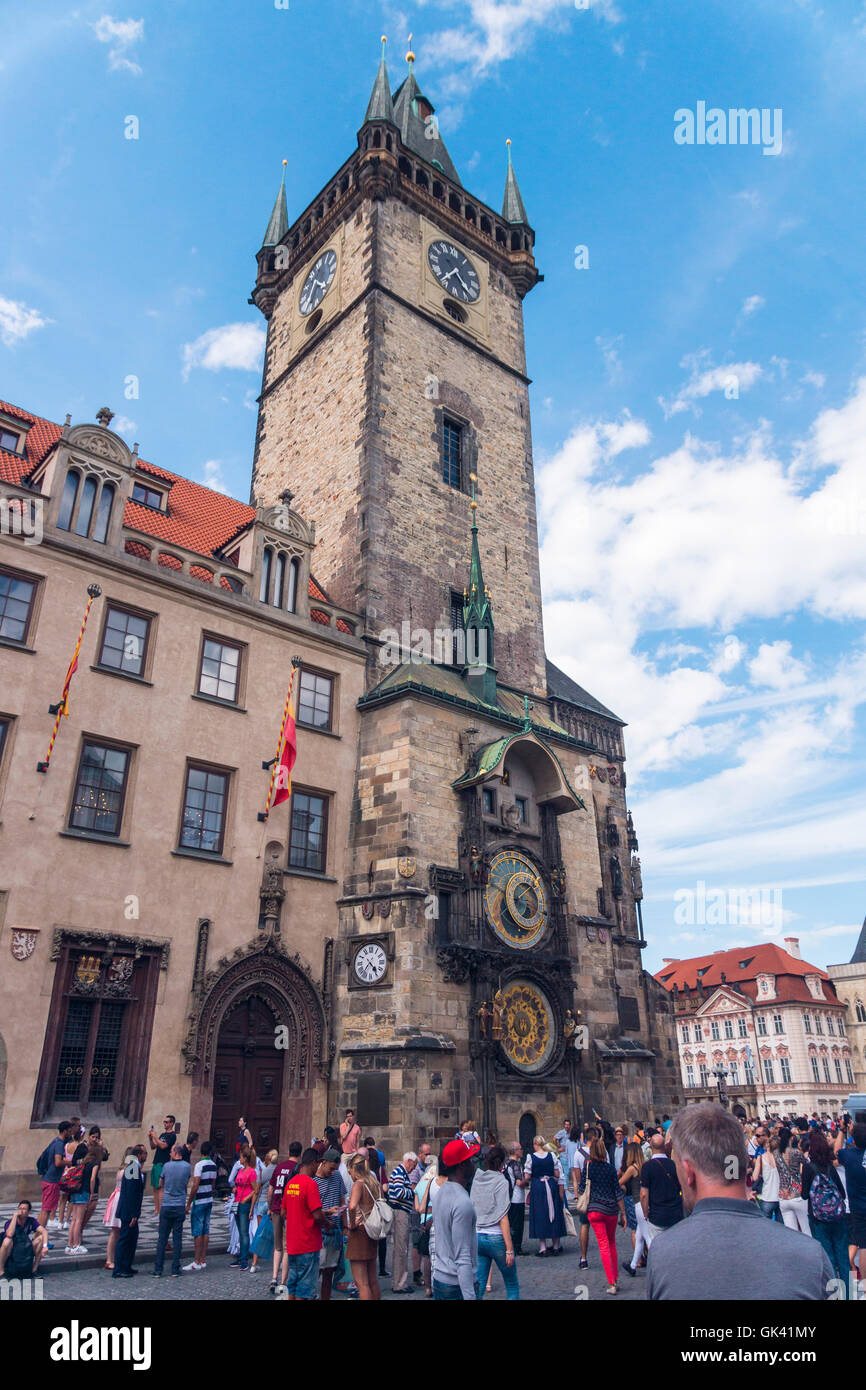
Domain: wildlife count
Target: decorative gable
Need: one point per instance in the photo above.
(766, 987)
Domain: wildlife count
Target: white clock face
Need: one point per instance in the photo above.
(370, 963)
(318, 282)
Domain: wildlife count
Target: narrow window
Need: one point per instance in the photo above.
(265, 589)
(204, 809)
(100, 789)
(309, 832)
(16, 606)
(280, 581)
(85, 510)
(292, 596)
(452, 453)
(67, 501)
(103, 513)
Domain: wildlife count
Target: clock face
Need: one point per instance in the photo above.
(370, 963)
(318, 282)
(454, 271)
(515, 900)
(528, 1027)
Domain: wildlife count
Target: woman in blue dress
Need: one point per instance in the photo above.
(546, 1191)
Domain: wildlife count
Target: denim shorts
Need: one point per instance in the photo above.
(303, 1276)
(79, 1199)
(200, 1219)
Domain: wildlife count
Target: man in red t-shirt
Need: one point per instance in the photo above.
(303, 1219)
(350, 1133)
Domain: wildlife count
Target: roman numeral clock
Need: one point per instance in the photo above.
(517, 908)
(454, 282)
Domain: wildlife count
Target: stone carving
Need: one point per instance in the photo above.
(99, 443)
(385, 907)
(455, 963)
(483, 1014)
(23, 942)
(496, 1030)
(476, 864)
(558, 880)
(106, 943)
(118, 977)
(636, 879)
(406, 866)
(616, 876)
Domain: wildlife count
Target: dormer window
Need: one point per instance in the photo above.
(148, 496)
(10, 440)
(85, 506)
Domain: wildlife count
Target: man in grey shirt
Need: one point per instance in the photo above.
(455, 1245)
(173, 1181)
(725, 1250)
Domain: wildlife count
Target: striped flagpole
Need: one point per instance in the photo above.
(62, 708)
(263, 815)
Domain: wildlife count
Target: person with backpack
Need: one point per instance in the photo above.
(852, 1157)
(828, 1215)
(23, 1244)
(81, 1182)
(793, 1206)
(50, 1166)
(364, 1218)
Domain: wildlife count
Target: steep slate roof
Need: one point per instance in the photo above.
(381, 106)
(278, 224)
(764, 959)
(513, 209)
(414, 130)
(447, 684)
(562, 687)
(196, 518)
(859, 956)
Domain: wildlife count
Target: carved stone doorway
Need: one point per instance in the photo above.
(248, 1079)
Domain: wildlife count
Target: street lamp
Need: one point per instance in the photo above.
(720, 1072)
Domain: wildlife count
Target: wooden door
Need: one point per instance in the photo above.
(248, 1080)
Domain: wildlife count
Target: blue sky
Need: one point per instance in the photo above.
(699, 397)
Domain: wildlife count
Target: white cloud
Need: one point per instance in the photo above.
(732, 378)
(121, 424)
(752, 305)
(122, 35)
(18, 321)
(816, 379)
(609, 348)
(213, 477)
(775, 666)
(236, 346)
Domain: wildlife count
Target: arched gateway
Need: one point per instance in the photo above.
(258, 1046)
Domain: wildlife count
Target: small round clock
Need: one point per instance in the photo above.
(318, 282)
(454, 271)
(370, 963)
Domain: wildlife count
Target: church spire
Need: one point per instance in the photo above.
(279, 223)
(415, 117)
(512, 204)
(859, 956)
(381, 107)
(478, 620)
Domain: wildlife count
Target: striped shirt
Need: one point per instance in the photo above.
(206, 1172)
(401, 1194)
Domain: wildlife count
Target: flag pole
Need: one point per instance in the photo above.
(263, 815)
(62, 709)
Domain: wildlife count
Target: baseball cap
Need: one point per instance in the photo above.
(457, 1151)
(331, 1156)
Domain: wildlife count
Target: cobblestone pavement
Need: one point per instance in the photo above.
(540, 1279)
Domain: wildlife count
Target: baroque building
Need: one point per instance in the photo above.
(767, 1024)
(850, 982)
(443, 921)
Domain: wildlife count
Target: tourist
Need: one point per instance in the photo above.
(852, 1157)
(111, 1220)
(468, 1134)
(415, 1175)
(455, 1248)
(401, 1200)
(94, 1138)
(350, 1133)
(793, 1207)
(616, 1150)
(605, 1201)
(199, 1205)
(89, 1158)
(491, 1198)
(629, 1181)
(546, 1191)
(50, 1166)
(578, 1163)
(246, 1187)
(162, 1147)
(828, 1216)
(23, 1244)
(766, 1172)
(660, 1196)
(724, 1251)
(190, 1146)
(361, 1250)
(332, 1193)
(376, 1160)
(129, 1212)
(62, 1221)
(261, 1230)
(304, 1221)
(276, 1190)
(173, 1183)
(562, 1135)
(517, 1187)
(243, 1138)
(424, 1189)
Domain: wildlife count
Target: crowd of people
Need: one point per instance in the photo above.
(328, 1216)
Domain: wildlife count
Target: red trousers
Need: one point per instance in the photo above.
(604, 1225)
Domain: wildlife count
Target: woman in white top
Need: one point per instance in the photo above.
(424, 1207)
(765, 1167)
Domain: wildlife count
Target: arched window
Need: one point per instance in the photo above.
(85, 510)
(861, 1012)
(292, 596)
(67, 502)
(267, 557)
(103, 513)
(280, 581)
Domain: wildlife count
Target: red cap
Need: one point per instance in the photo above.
(457, 1151)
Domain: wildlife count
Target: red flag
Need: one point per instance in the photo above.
(283, 784)
(73, 667)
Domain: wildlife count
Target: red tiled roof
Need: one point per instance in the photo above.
(42, 435)
(764, 959)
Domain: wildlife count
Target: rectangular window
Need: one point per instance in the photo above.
(220, 670)
(704, 1073)
(204, 809)
(522, 809)
(826, 1066)
(699, 1033)
(734, 1068)
(686, 1037)
(769, 1074)
(690, 1076)
(729, 1028)
(815, 1073)
(742, 1030)
(489, 800)
(807, 1022)
(124, 641)
(786, 1070)
(849, 1071)
(819, 1025)
(750, 1073)
(16, 605)
(458, 632)
(840, 1023)
(315, 700)
(830, 1029)
(778, 1025)
(147, 496)
(308, 844)
(452, 453)
(8, 440)
(4, 734)
(100, 789)
(714, 1030)
(762, 1026)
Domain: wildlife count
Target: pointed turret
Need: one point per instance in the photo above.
(859, 956)
(279, 223)
(479, 672)
(381, 107)
(419, 129)
(512, 204)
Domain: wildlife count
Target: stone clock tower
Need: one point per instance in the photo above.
(488, 944)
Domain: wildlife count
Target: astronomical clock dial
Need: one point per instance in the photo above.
(318, 282)
(528, 1026)
(515, 900)
(370, 963)
(454, 271)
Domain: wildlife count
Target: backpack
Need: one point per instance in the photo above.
(379, 1219)
(44, 1162)
(72, 1179)
(825, 1199)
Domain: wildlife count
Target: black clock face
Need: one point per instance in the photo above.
(454, 271)
(318, 282)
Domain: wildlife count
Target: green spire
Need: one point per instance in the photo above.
(478, 620)
(279, 223)
(512, 204)
(381, 107)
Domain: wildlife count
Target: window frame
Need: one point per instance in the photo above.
(211, 769)
(115, 606)
(153, 491)
(318, 674)
(24, 641)
(457, 427)
(112, 745)
(325, 798)
(13, 434)
(240, 691)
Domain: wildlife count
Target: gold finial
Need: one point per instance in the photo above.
(473, 477)
(285, 162)
(410, 56)
(473, 506)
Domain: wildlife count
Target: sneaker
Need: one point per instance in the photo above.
(611, 1288)
(54, 1225)
(187, 1268)
(254, 1269)
(154, 1275)
(235, 1264)
(584, 1264)
(245, 1269)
